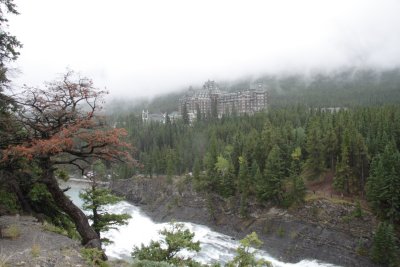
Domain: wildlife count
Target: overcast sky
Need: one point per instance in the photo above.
(140, 48)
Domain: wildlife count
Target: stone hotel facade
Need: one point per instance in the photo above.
(247, 101)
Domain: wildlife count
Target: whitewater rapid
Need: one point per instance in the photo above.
(215, 247)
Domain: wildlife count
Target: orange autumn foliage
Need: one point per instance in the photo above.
(60, 123)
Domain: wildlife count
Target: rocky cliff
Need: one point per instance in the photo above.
(320, 229)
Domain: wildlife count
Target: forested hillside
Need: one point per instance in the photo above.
(341, 88)
(274, 153)
(283, 155)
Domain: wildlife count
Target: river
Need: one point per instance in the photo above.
(215, 247)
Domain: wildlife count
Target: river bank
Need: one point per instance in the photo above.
(320, 229)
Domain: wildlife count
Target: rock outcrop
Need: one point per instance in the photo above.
(29, 244)
(320, 229)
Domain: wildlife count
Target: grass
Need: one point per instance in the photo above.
(361, 249)
(54, 229)
(93, 257)
(13, 231)
(293, 234)
(267, 228)
(334, 200)
(281, 232)
(4, 260)
(35, 250)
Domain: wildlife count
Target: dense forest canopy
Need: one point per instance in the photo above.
(268, 152)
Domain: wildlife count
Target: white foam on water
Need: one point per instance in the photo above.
(215, 247)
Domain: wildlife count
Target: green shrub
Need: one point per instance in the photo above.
(281, 231)
(244, 257)
(147, 263)
(361, 248)
(8, 201)
(39, 193)
(294, 234)
(94, 257)
(266, 230)
(13, 231)
(174, 239)
(54, 229)
(35, 250)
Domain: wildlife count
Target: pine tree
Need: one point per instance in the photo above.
(225, 176)
(95, 198)
(243, 185)
(383, 185)
(9, 46)
(210, 160)
(196, 169)
(174, 239)
(198, 113)
(343, 173)
(170, 167)
(298, 189)
(245, 257)
(272, 186)
(315, 163)
(384, 250)
(185, 115)
(214, 108)
(361, 161)
(331, 146)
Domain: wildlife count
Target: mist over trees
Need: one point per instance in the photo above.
(344, 87)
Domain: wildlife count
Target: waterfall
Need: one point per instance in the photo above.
(215, 247)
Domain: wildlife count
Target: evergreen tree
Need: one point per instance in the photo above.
(196, 169)
(225, 176)
(170, 167)
(243, 185)
(383, 185)
(331, 146)
(361, 158)
(272, 186)
(210, 160)
(167, 119)
(315, 162)
(198, 113)
(384, 249)
(297, 190)
(9, 46)
(343, 173)
(214, 108)
(174, 240)
(244, 255)
(185, 115)
(95, 198)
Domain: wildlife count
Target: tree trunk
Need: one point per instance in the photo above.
(89, 237)
(10, 179)
(21, 198)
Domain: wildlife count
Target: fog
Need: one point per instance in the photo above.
(143, 48)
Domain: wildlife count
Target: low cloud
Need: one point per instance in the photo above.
(143, 48)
